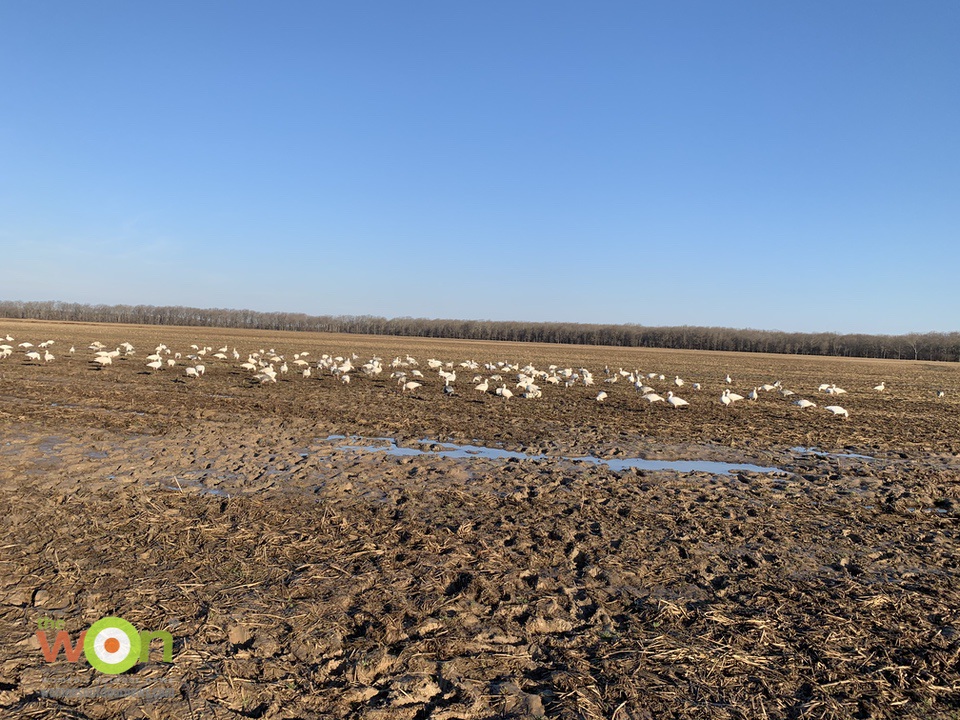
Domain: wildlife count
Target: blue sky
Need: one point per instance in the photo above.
(776, 165)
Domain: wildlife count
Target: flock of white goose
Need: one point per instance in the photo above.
(528, 381)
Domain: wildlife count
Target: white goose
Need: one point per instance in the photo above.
(675, 401)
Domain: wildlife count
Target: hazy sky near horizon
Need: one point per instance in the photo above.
(775, 165)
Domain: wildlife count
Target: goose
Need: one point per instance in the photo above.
(804, 403)
(753, 394)
(837, 410)
(601, 396)
(880, 388)
(504, 392)
(940, 393)
(675, 401)
(411, 385)
(677, 381)
(192, 372)
(155, 365)
(33, 356)
(265, 377)
(728, 398)
(729, 380)
(483, 387)
(652, 397)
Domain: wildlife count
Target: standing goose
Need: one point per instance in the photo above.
(675, 401)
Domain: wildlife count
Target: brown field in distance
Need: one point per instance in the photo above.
(907, 416)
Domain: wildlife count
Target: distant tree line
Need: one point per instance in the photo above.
(914, 346)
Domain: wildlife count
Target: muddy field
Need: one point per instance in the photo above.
(318, 549)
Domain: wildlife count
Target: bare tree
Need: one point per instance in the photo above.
(921, 346)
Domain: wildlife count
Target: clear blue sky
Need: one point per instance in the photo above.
(767, 164)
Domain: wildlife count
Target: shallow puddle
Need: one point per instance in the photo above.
(388, 446)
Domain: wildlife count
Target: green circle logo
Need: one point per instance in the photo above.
(112, 645)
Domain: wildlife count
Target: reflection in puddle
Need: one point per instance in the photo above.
(388, 446)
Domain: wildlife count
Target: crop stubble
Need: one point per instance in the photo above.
(301, 580)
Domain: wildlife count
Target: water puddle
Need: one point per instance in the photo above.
(388, 446)
(929, 511)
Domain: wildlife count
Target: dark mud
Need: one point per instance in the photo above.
(300, 578)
